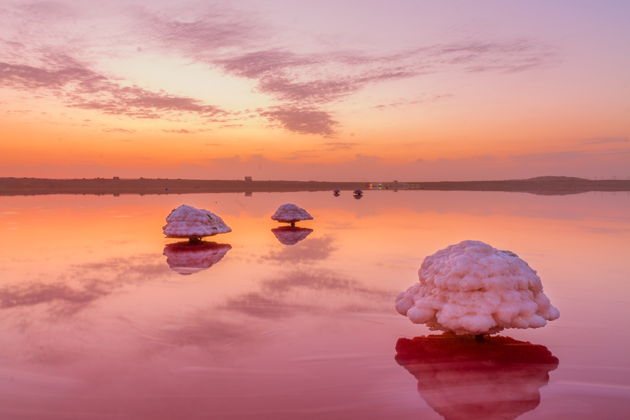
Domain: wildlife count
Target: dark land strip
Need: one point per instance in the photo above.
(551, 185)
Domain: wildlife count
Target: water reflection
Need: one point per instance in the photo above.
(288, 235)
(461, 378)
(187, 258)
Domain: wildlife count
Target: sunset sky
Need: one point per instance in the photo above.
(326, 90)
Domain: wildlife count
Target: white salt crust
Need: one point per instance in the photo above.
(473, 288)
(291, 213)
(189, 222)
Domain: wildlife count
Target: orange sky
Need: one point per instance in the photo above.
(293, 90)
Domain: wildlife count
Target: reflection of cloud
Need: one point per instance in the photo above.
(461, 378)
(202, 331)
(73, 291)
(313, 291)
(188, 258)
(318, 280)
(260, 306)
(315, 249)
(68, 299)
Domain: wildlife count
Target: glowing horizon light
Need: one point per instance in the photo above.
(415, 91)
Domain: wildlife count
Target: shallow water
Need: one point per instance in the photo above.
(100, 318)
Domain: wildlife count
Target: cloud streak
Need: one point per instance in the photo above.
(302, 83)
(606, 140)
(303, 120)
(81, 87)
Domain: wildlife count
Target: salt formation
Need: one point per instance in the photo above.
(473, 288)
(188, 258)
(289, 235)
(290, 213)
(460, 378)
(189, 222)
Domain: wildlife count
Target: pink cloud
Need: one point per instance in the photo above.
(202, 36)
(425, 99)
(322, 90)
(285, 74)
(260, 63)
(83, 88)
(119, 130)
(242, 45)
(302, 119)
(180, 131)
(340, 145)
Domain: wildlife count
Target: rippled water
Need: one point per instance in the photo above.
(103, 318)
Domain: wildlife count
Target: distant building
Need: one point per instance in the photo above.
(248, 179)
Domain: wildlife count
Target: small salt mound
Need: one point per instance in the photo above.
(189, 222)
(291, 213)
(473, 288)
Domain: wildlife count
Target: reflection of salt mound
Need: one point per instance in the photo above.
(188, 258)
(190, 222)
(291, 213)
(473, 288)
(498, 378)
(289, 235)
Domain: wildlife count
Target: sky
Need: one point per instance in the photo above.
(304, 90)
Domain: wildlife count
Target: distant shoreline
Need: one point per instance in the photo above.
(550, 185)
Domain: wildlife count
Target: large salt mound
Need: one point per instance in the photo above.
(291, 213)
(473, 288)
(189, 222)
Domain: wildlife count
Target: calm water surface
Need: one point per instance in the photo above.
(103, 318)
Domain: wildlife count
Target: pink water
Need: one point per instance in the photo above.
(97, 323)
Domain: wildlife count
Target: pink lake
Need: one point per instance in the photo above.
(101, 318)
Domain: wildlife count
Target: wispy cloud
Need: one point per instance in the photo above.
(424, 99)
(242, 45)
(81, 87)
(606, 140)
(289, 76)
(260, 63)
(302, 120)
(119, 130)
(181, 131)
(321, 91)
(340, 145)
